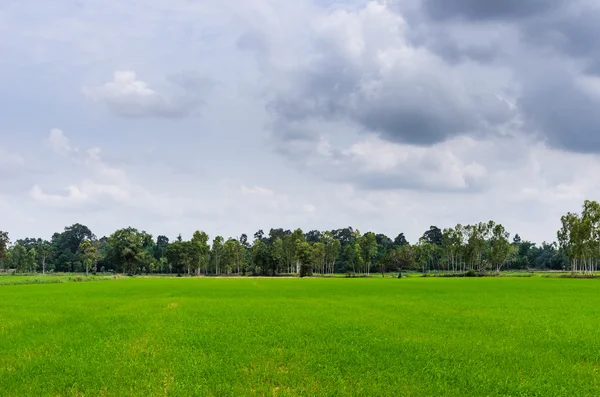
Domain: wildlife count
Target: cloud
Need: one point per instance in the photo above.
(102, 187)
(362, 68)
(484, 10)
(127, 96)
(60, 143)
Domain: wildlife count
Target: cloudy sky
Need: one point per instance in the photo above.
(235, 115)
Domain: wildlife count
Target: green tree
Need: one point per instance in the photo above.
(500, 248)
(4, 243)
(89, 254)
(305, 259)
(277, 254)
(369, 249)
(217, 251)
(200, 251)
(18, 258)
(333, 248)
(128, 249)
(31, 260)
(260, 257)
(319, 257)
(44, 252)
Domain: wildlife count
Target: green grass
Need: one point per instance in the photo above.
(317, 337)
(50, 279)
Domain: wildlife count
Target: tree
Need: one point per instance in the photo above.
(369, 248)
(517, 239)
(232, 255)
(277, 253)
(244, 241)
(178, 256)
(400, 240)
(31, 263)
(217, 248)
(433, 236)
(333, 248)
(162, 242)
(260, 235)
(4, 243)
(296, 238)
(65, 246)
(319, 257)
(18, 258)
(401, 258)
(500, 248)
(127, 248)
(305, 258)
(313, 236)
(89, 254)
(200, 252)
(260, 257)
(44, 252)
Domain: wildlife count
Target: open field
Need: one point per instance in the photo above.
(415, 337)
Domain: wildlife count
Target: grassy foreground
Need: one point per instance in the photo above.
(413, 337)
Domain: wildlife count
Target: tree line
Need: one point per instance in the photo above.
(477, 248)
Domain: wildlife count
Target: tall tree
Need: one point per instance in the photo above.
(44, 252)
(31, 260)
(305, 258)
(333, 248)
(277, 254)
(500, 248)
(217, 249)
(200, 251)
(18, 258)
(89, 254)
(369, 248)
(4, 243)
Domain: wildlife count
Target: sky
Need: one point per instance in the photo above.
(231, 116)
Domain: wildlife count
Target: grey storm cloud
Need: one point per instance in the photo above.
(488, 9)
(410, 80)
(385, 86)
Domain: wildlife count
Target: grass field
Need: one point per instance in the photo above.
(361, 337)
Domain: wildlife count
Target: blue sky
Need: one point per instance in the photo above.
(232, 116)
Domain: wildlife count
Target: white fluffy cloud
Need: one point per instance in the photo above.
(59, 142)
(128, 96)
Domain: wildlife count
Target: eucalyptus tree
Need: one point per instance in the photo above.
(217, 250)
(200, 252)
(232, 255)
(4, 243)
(319, 257)
(44, 251)
(31, 260)
(369, 247)
(333, 248)
(277, 254)
(297, 237)
(500, 248)
(579, 238)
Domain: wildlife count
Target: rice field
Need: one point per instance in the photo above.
(310, 337)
